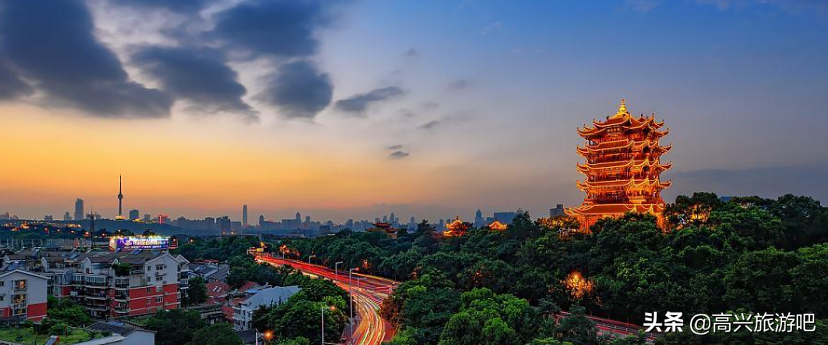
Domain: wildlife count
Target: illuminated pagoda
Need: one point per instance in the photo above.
(385, 228)
(622, 168)
(498, 226)
(457, 228)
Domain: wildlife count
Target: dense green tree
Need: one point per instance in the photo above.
(197, 292)
(66, 311)
(216, 334)
(177, 326)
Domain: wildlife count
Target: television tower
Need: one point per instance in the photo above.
(120, 199)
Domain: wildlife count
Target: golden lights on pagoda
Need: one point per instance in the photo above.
(622, 169)
(498, 226)
(456, 228)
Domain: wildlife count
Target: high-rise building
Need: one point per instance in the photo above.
(244, 216)
(298, 217)
(147, 217)
(134, 215)
(67, 216)
(557, 211)
(623, 168)
(120, 199)
(479, 222)
(261, 220)
(79, 215)
(48, 218)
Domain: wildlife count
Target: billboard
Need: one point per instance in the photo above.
(138, 242)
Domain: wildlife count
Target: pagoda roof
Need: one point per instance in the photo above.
(496, 225)
(630, 183)
(623, 144)
(622, 118)
(649, 162)
(614, 209)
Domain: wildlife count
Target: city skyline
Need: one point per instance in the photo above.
(475, 110)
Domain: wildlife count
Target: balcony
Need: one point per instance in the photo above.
(21, 305)
(20, 288)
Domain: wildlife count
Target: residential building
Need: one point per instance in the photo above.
(243, 312)
(22, 295)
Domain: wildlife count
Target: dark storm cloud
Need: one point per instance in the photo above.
(51, 43)
(181, 6)
(398, 155)
(198, 75)
(299, 89)
(359, 103)
(276, 28)
(11, 86)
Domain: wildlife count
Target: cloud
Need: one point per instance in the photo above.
(395, 147)
(181, 6)
(398, 155)
(431, 124)
(273, 28)
(406, 113)
(642, 6)
(459, 84)
(412, 52)
(198, 75)
(431, 105)
(51, 43)
(491, 27)
(298, 89)
(11, 86)
(791, 6)
(359, 103)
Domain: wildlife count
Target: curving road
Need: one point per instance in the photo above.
(368, 292)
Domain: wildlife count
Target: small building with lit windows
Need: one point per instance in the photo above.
(22, 295)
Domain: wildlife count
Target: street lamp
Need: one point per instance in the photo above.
(311, 257)
(266, 336)
(336, 268)
(331, 308)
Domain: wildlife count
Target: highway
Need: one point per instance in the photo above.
(368, 292)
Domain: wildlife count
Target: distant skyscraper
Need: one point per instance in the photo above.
(298, 217)
(479, 222)
(244, 216)
(557, 211)
(67, 216)
(134, 215)
(307, 219)
(261, 221)
(48, 218)
(385, 219)
(79, 215)
(120, 199)
(393, 218)
(505, 217)
(147, 217)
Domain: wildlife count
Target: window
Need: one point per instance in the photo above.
(159, 299)
(20, 284)
(2, 297)
(149, 290)
(2, 283)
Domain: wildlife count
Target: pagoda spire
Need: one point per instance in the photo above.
(622, 109)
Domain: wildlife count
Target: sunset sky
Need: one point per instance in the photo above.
(353, 109)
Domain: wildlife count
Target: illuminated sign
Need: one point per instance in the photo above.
(139, 242)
